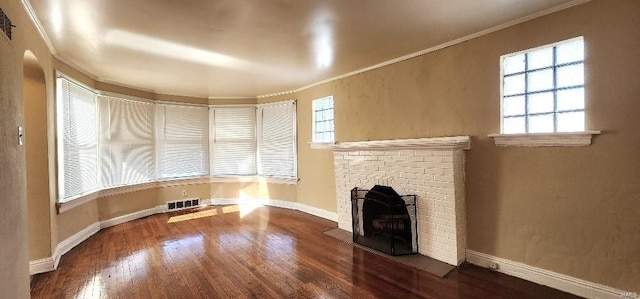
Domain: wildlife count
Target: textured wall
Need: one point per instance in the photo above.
(575, 211)
(37, 167)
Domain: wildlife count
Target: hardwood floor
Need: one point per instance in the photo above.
(227, 252)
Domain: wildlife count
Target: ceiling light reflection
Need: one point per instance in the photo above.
(173, 50)
(323, 44)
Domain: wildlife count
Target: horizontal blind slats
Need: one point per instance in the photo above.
(80, 139)
(277, 140)
(182, 141)
(233, 145)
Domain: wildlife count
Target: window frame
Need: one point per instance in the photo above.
(316, 144)
(60, 137)
(554, 89)
(551, 139)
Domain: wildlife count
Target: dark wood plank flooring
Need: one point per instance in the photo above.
(227, 252)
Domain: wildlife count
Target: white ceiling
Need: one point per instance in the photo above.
(247, 48)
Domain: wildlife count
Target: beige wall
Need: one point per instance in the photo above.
(77, 219)
(37, 164)
(14, 276)
(570, 210)
(575, 211)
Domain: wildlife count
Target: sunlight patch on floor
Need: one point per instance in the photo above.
(195, 215)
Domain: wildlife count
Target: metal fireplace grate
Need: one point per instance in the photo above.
(384, 220)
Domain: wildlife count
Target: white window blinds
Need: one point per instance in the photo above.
(126, 141)
(277, 140)
(182, 141)
(233, 140)
(78, 172)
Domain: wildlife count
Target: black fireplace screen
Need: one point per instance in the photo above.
(384, 220)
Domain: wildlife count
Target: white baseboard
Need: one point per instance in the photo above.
(130, 217)
(545, 277)
(41, 265)
(276, 203)
(73, 241)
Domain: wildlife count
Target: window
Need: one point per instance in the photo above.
(78, 151)
(126, 141)
(543, 89)
(233, 140)
(277, 140)
(323, 125)
(182, 141)
(110, 141)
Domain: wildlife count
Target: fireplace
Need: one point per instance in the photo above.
(430, 168)
(384, 220)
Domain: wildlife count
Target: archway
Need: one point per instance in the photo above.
(35, 129)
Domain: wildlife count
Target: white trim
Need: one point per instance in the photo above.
(457, 142)
(232, 98)
(545, 139)
(321, 145)
(232, 105)
(73, 241)
(130, 217)
(284, 102)
(36, 22)
(183, 182)
(545, 277)
(440, 46)
(41, 266)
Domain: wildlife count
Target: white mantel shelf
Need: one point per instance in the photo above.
(440, 143)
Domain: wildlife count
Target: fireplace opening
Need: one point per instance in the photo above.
(384, 220)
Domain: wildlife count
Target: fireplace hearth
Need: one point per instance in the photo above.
(384, 220)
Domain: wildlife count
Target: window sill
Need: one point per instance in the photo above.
(545, 139)
(321, 145)
(253, 179)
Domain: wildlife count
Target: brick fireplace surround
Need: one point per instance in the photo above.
(431, 168)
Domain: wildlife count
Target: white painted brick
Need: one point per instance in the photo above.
(406, 153)
(423, 153)
(415, 158)
(385, 158)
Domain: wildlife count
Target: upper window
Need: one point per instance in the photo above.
(543, 89)
(323, 127)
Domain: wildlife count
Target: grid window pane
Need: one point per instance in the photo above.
(570, 99)
(571, 122)
(540, 80)
(513, 106)
(543, 89)
(323, 125)
(540, 59)
(572, 75)
(513, 85)
(513, 64)
(514, 125)
(570, 52)
(541, 123)
(540, 102)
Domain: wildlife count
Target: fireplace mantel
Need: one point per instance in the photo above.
(437, 143)
(430, 168)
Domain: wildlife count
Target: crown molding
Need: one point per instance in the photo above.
(29, 9)
(36, 22)
(440, 46)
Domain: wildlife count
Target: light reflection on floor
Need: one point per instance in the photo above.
(244, 208)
